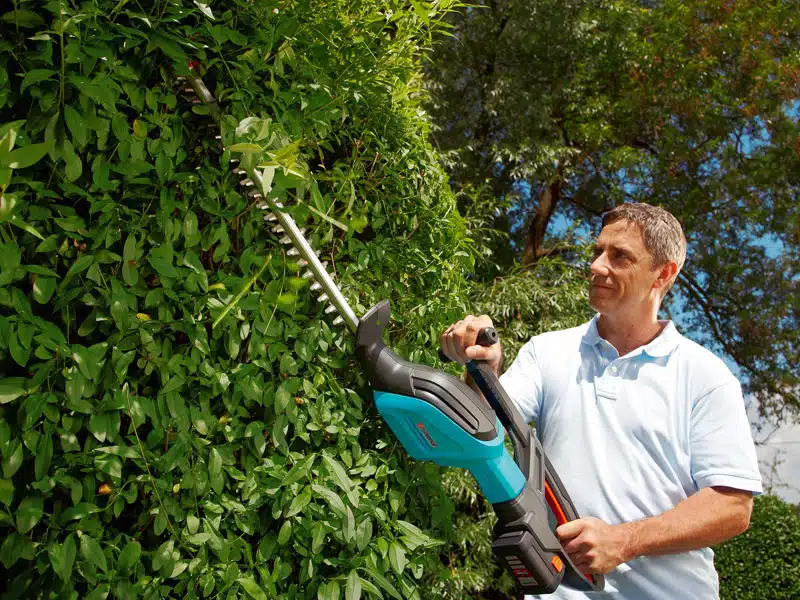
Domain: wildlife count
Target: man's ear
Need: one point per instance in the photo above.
(667, 274)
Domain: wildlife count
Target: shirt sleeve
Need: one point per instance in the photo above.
(722, 448)
(522, 381)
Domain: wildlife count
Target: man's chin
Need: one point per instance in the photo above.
(599, 305)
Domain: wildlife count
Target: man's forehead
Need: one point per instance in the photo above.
(621, 232)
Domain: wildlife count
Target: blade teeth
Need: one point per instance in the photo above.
(247, 182)
(188, 90)
(307, 274)
(286, 240)
(239, 171)
(292, 252)
(315, 286)
(234, 160)
(270, 216)
(323, 298)
(338, 320)
(180, 78)
(331, 308)
(277, 229)
(254, 194)
(303, 262)
(217, 137)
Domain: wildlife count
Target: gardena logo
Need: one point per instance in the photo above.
(427, 435)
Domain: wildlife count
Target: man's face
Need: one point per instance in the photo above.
(622, 270)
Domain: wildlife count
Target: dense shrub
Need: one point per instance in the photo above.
(145, 452)
(763, 562)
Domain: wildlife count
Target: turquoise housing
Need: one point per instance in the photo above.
(428, 434)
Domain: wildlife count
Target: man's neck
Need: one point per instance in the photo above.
(627, 334)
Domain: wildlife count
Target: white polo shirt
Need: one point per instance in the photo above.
(632, 436)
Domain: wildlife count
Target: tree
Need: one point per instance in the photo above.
(550, 112)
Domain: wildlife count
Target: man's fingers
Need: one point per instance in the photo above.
(577, 545)
(477, 352)
(570, 529)
(458, 340)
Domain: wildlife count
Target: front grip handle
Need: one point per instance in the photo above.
(494, 393)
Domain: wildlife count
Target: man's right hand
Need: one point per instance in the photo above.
(458, 342)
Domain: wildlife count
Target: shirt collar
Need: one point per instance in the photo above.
(662, 345)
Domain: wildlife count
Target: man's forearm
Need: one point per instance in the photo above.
(706, 518)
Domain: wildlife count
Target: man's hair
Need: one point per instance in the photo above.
(662, 233)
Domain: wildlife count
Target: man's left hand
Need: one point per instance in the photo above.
(595, 546)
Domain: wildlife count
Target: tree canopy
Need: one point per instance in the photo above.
(549, 112)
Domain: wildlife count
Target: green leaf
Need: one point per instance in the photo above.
(29, 513)
(11, 388)
(19, 352)
(62, 557)
(79, 266)
(368, 586)
(17, 222)
(285, 533)
(386, 585)
(191, 260)
(79, 511)
(12, 460)
(163, 167)
(6, 491)
(338, 473)
(190, 230)
(123, 451)
(44, 454)
(329, 591)
(215, 471)
(353, 588)
(101, 592)
(252, 588)
(129, 556)
(73, 169)
(139, 128)
(299, 470)
(317, 537)
(35, 76)
(299, 502)
(397, 557)
(27, 156)
(246, 148)
(76, 125)
(92, 552)
(7, 201)
(24, 18)
(333, 499)
(363, 534)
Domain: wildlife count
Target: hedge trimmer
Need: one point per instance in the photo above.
(438, 417)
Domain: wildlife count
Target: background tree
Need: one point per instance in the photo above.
(550, 112)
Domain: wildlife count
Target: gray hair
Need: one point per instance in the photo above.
(662, 233)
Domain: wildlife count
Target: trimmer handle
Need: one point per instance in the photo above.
(522, 538)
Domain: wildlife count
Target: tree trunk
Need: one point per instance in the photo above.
(548, 199)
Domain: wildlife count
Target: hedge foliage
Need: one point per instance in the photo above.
(763, 562)
(144, 452)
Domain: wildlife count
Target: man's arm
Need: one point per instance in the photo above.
(708, 517)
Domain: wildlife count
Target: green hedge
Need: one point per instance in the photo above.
(763, 562)
(145, 452)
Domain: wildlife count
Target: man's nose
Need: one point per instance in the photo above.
(599, 266)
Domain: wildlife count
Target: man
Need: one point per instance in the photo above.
(646, 429)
